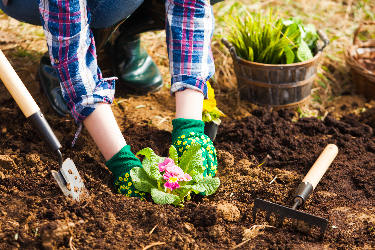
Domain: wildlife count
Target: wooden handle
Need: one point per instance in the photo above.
(16, 88)
(323, 36)
(321, 165)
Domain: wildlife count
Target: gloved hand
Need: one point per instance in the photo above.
(120, 165)
(188, 131)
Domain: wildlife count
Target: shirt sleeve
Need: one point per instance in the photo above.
(189, 29)
(72, 52)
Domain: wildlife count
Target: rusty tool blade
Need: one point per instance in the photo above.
(70, 181)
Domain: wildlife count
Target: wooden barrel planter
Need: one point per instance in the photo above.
(276, 85)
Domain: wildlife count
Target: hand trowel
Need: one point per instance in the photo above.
(67, 176)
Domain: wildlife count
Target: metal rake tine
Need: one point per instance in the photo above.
(254, 214)
(268, 216)
(280, 221)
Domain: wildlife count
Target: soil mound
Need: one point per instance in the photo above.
(262, 156)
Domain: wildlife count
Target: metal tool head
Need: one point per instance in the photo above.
(70, 181)
(285, 212)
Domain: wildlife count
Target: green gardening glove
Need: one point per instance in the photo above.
(188, 131)
(120, 165)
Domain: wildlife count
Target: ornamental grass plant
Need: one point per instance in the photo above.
(269, 39)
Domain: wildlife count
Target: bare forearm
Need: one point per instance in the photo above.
(189, 104)
(104, 130)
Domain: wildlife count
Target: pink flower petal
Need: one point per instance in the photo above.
(187, 177)
(168, 162)
(167, 176)
(175, 170)
(171, 185)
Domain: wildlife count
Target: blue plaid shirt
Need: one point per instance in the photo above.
(189, 29)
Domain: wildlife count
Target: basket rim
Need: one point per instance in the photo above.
(312, 61)
(353, 64)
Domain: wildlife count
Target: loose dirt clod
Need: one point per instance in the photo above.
(229, 212)
(244, 166)
(225, 159)
(33, 159)
(217, 231)
(6, 162)
(188, 227)
(55, 233)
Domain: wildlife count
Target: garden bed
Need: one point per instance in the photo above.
(34, 213)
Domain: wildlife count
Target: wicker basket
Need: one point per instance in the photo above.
(364, 80)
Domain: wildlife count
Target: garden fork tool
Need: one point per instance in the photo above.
(67, 177)
(304, 190)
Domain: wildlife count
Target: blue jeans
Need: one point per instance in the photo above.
(104, 13)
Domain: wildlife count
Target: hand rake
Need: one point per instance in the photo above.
(303, 192)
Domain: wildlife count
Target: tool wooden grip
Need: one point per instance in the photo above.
(16, 88)
(321, 165)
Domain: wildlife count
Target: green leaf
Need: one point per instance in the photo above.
(141, 180)
(334, 58)
(304, 52)
(322, 84)
(289, 55)
(325, 69)
(311, 36)
(209, 184)
(173, 154)
(150, 163)
(198, 188)
(198, 177)
(151, 167)
(160, 197)
(183, 191)
(147, 152)
(251, 54)
(206, 117)
(192, 160)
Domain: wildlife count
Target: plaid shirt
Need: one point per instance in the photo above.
(73, 54)
(189, 29)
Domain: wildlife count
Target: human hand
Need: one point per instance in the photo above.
(120, 165)
(188, 131)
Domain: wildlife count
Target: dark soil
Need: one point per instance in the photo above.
(34, 213)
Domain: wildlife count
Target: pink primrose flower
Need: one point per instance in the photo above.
(175, 170)
(168, 162)
(179, 173)
(172, 181)
(172, 174)
(167, 176)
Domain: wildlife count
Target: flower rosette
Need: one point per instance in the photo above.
(170, 180)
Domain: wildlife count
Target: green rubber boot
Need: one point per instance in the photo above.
(134, 67)
(50, 85)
